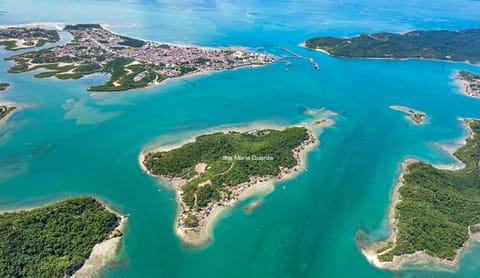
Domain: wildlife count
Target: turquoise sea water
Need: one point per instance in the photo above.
(66, 142)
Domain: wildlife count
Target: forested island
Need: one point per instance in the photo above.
(16, 38)
(4, 86)
(461, 46)
(55, 240)
(416, 117)
(131, 63)
(434, 212)
(214, 170)
(470, 83)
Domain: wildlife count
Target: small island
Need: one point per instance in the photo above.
(416, 117)
(131, 63)
(213, 171)
(6, 110)
(434, 213)
(4, 86)
(57, 240)
(460, 46)
(16, 38)
(470, 83)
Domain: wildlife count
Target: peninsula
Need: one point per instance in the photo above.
(5, 110)
(131, 63)
(461, 46)
(16, 38)
(213, 171)
(470, 83)
(57, 240)
(435, 213)
(416, 117)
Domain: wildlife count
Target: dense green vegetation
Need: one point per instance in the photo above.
(472, 79)
(444, 45)
(132, 42)
(191, 221)
(9, 45)
(52, 36)
(438, 206)
(47, 36)
(52, 241)
(218, 152)
(4, 86)
(123, 76)
(82, 26)
(418, 118)
(468, 76)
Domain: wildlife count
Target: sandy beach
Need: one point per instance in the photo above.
(103, 252)
(303, 44)
(46, 25)
(419, 259)
(259, 186)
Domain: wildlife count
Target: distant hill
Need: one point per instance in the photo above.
(459, 46)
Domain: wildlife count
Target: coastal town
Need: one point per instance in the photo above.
(132, 63)
(15, 38)
(470, 83)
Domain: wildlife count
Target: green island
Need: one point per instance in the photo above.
(416, 117)
(4, 86)
(435, 212)
(461, 46)
(214, 170)
(131, 63)
(5, 110)
(470, 83)
(55, 240)
(16, 38)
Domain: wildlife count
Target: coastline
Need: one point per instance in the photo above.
(452, 147)
(304, 45)
(46, 25)
(420, 258)
(107, 27)
(388, 58)
(188, 75)
(463, 86)
(103, 252)
(154, 83)
(258, 185)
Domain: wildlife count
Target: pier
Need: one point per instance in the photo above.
(297, 56)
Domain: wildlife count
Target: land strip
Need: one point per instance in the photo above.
(460, 46)
(131, 63)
